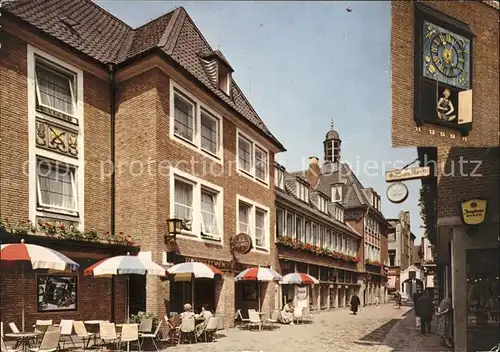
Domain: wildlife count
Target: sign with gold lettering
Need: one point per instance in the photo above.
(407, 174)
(474, 211)
(241, 243)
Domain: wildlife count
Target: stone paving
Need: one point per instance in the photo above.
(339, 330)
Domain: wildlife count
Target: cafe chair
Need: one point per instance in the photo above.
(15, 330)
(220, 325)
(211, 328)
(66, 331)
(254, 319)
(82, 333)
(5, 348)
(146, 325)
(107, 334)
(50, 340)
(244, 321)
(152, 336)
(274, 319)
(188, 329)
(130, 333)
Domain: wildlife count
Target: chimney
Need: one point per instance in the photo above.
(314, 172)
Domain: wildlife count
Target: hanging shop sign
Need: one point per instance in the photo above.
(407, 174)
(474, 211)
(397, 192)
(241, 243)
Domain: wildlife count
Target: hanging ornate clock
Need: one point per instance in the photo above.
(446, 56)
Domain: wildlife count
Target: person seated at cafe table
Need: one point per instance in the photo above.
(188, 312)
(287, 313)
(204, 316)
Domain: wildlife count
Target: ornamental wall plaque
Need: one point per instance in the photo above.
(56, 139)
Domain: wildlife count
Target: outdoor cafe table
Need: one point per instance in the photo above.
(22, 337)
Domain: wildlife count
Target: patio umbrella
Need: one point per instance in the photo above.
(299, 279)
(40, 258)
(258, 274)
(123, 265)
(193, 270)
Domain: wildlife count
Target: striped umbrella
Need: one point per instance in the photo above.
(299, 279)
(258, 274)
(193, 269)
(123, 265)
(39, 257)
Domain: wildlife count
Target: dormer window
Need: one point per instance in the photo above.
(322, 204)
(302, 191)
(337, 193)
(338, 213)
(279, 177)
(224, 79)
(376, 200)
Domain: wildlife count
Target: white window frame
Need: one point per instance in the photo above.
(322, 204)
(33, 55)
(253, 145)
(254, 205)
(334, 189)
(198, 185)
(283, 222)
(73, 173)
(199, 106)
(279, 177)
(60, 71)
(302, 191)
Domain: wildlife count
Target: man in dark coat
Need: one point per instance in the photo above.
(425, 311)
(355, 302)
(416, 297)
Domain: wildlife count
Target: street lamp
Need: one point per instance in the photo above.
(174, 228)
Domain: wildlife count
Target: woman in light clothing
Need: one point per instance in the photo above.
(287, 312)
(445, 322)
(205, 315)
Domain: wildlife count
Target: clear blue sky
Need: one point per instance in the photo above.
(300, 64)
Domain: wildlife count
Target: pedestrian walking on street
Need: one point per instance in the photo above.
(445, 321)
(397, 297)
(416, 296)
(376, 300)
(425, 312)
(355, 302)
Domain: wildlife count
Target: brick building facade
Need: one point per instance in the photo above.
(337, 183)
(414, 121)
(466, 254)
(159, 105)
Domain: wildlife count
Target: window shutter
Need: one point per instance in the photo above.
(465, 107)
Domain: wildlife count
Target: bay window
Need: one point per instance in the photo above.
(280, 222)
(290, 224)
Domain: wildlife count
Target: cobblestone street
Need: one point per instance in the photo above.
(331, 331)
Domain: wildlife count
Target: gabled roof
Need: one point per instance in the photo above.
(94, 32)
(355, 196)
(290, 195)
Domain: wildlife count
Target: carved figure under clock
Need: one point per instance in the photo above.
(446, 56)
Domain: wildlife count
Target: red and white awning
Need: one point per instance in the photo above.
(124, 264)
(258, 274)
(195, 269)
(40, 257)
(299, 279)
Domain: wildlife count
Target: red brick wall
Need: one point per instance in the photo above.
(14, 139)
(483, 21)
(13, 129)
(455, 189)
(143, 203)
(93, 298)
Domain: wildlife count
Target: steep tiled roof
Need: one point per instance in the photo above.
(290, 194)
(88, 28)
(355, 195)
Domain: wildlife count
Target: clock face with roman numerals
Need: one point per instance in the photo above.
(446, 56)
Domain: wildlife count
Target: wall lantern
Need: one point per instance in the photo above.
(174, 228)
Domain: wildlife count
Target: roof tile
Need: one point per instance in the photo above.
(105, 38)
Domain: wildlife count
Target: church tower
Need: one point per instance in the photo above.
(331, 150)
